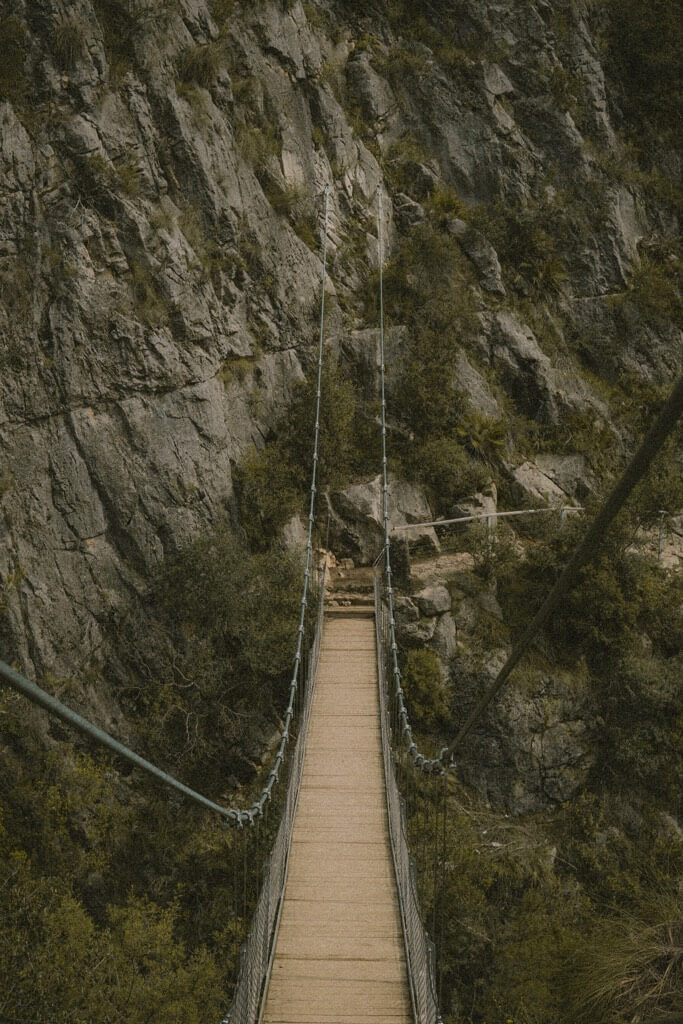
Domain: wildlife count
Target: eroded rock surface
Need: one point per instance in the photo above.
(160, 228)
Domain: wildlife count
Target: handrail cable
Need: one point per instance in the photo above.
(231, 815)
(490, 515)
(423, 763)
(586, 551)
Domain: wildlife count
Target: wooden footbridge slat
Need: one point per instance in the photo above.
(340, 957)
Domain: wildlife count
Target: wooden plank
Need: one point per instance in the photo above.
(339, 957)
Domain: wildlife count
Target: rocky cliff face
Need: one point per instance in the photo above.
(160, 224)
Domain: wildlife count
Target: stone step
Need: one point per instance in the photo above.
(364, 611)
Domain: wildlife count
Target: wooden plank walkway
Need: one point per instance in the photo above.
(340, 957)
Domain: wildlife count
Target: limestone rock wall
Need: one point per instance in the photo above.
(161, 173)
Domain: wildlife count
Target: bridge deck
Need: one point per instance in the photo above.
(339, 957)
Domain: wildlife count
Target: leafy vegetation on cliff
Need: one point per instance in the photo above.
(118, 901)
(570, 914)
(152, 221)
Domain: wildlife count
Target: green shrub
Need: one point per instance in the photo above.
(59, 272)
(69, 41)
(13, 78)
(337, 449)
(644, 42)
(258, 146)
(426, 286)
(121, 24)
(102, 914)
(630, 968)
(654, 293)
(402, 167)
(18, 289)
(222, 11)
(527, 238)
(270, 491)
(57, 965)
(445, 468)
(306, 224)
(213, 655)
(443, 204)
(288, 201)
(425, 689)
(482, 436)
(532, 949)
(97, 175)
(427, 394)
(292, 202)
(149, 303)
(200, 64)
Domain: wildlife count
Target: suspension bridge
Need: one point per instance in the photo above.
(337, 935)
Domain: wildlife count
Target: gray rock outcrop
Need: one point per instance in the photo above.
(160, 228)
(535, 749)
(356, 518)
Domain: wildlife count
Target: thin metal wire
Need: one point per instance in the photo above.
(562, 509)
(423, 763)
(257, 954)
(419, 948)
(442, 893)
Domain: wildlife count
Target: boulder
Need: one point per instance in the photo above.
(555, 479)
(482, 254)
(408, 211)
(533, 749)
(405, 610)
(417, 634)
(475, 387)
(444, 641)
(538, 388)
(571, 473)
(532, 483)
(362, 350)
(483, 503)
(374, 94)
(294, 535)
(496, 82)
(528, 371)
(356, 519)
(433, 600)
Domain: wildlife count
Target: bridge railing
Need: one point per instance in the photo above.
(420, 951)
(257, 953)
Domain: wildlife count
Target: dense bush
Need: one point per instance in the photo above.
(445, 468)
(200, 64)
(527, 237)
(203, 667)
(425, 286)
(425, 688)
(644, 43)
(273, 483)
(13, 78)
(119, 902)
(103, 914)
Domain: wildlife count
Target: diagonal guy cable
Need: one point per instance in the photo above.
(231, 815)
(586, 551)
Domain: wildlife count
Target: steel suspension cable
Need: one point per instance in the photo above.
(586, 551)
(423, 763)
(72, 718)
(231, 815)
